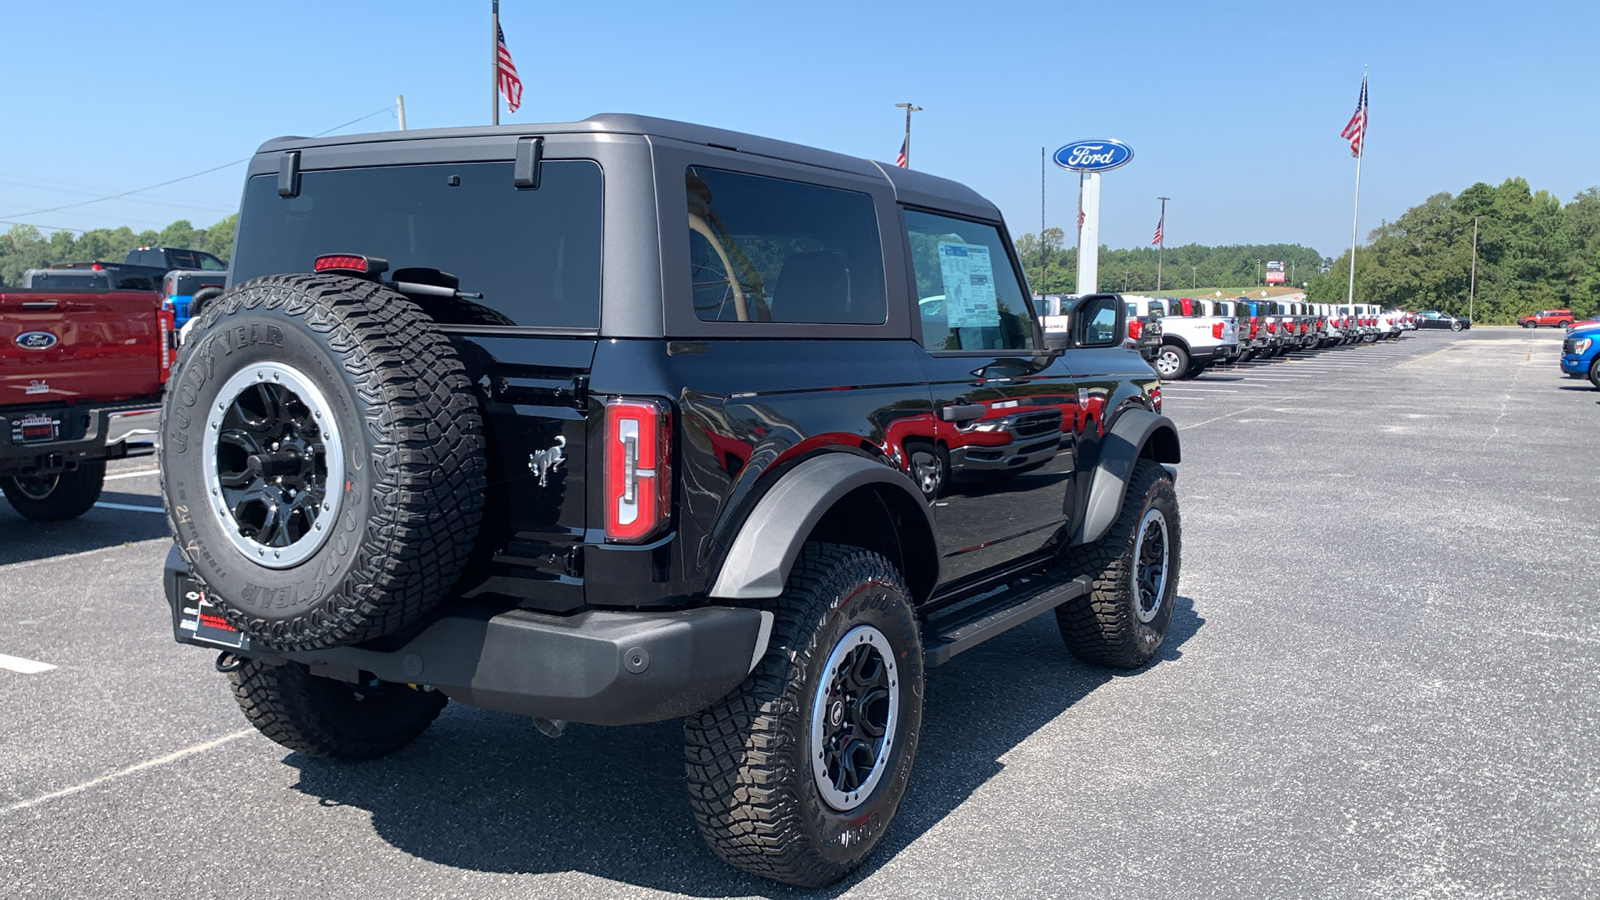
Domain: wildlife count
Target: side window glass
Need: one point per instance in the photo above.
(968, 295)
(768, 250)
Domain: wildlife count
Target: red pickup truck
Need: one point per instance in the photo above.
(81, 375)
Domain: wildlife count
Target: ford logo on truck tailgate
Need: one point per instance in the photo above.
(1093, 156)
(36, 340)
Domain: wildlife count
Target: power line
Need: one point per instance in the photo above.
(386, 109)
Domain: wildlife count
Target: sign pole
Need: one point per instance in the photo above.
(494, 62)
(1089, 237)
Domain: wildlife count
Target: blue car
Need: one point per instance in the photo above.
(1580, 354)
(179, 287)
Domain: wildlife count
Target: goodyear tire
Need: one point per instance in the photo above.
(1122, 621)
(329, 719)
(56, 498)
(796, 774)
(322, 460)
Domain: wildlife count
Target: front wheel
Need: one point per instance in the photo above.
(1594, 373)
(1455, 326)
(56, 498)
(1122, 621)
(796, 774)
(1171, 361)
(1530, 324)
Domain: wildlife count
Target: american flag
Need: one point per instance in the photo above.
(1157, 239)
(510, 84)
(1356, 131)
(900, 160)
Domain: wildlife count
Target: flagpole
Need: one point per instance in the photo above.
(1161, 245)
(1361, 152)
(494, 62)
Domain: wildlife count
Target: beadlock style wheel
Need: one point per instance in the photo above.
(272, 449)
(1151, 563)
(853, 718)
(36, 487)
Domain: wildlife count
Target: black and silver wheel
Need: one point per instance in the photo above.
(332, 719)
(1455, 326)
(56, 497)
(796, 774)
(322, 460)
(1122, 621)
(1171, 362)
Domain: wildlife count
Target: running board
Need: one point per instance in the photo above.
(953, 630)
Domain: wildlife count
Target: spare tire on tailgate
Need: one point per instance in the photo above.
(322, 460)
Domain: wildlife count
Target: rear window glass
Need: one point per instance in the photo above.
(534, 255)
(66, 281)
(768, 250)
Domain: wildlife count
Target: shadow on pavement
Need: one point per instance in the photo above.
(486, 792)
(22, 539)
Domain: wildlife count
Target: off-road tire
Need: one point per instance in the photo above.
(330, 719)
(1171, 362)
(1103, 627)
(405, 511)
(75, 492)
(751, 785)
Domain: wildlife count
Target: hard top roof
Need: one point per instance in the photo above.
(916, 188)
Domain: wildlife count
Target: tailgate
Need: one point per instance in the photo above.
(89, 346)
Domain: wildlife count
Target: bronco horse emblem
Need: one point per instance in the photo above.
(546, 461)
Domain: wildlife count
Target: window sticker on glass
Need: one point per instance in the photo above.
(968, 274)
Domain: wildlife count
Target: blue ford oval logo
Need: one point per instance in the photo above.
(36, 340)
(1093, 156)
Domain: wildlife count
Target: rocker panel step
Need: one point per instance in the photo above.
(954, 630)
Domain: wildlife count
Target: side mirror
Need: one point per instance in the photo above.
(1099, 320)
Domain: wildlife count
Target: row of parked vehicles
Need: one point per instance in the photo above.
(85, 350)
(1184, 336)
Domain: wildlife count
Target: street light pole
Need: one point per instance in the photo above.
(1472, 286)
(909, 108)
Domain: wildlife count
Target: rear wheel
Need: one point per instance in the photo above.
(56, 498)
(1171, 362)
(796, 774)
(1122, 621)
(332, 719)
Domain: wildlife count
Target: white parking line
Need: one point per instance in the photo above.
(139, 474)
(147, 764)
(130, 507)
(24, 666)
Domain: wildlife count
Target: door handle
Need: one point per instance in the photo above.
(961, 412)
(37, 305)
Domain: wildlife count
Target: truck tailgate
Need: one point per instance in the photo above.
(80, 346)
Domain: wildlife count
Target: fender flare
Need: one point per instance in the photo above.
(758, 562)
(1121, 447)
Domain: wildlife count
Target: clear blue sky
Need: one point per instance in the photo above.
(1233, 109)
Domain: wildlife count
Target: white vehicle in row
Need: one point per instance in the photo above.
(1193, 337)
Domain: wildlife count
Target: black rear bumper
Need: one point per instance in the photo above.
(599, 667)
(81, 433)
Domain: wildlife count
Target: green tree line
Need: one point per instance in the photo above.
(1053, 268)
(25, 247)
(1533, 253)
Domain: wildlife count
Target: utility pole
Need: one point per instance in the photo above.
(494, 62)
(400, 104)
(1258, 271)
(1192, 277)
(909, 108)
(1472, 286)
(1161, 245)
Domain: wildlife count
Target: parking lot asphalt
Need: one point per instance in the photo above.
(1380, 681)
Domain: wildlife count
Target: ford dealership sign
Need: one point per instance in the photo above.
(1093, 156)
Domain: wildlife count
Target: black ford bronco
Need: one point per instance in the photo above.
(627, 420)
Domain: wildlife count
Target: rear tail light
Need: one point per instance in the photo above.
(638, 476)
(351, 263)
(1272, 328)
(1135, 327)
(1216, 330)
(168, 326)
